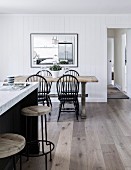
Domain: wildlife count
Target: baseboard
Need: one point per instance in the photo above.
(96, 100)
(87, 100)
(118, 86)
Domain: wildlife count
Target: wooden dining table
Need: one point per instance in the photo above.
(82, 79)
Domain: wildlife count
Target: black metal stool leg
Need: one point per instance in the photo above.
(45, 129)
(14, 165)
(50, 153)
(20, 162)
(27, 149)
(46, 137)
(42, 134)
(45, 162)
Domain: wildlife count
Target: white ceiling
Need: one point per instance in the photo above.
(65, 6)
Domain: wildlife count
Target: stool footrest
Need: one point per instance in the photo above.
(41, 153)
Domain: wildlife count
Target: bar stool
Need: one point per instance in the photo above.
(10, 145)
(41, 111)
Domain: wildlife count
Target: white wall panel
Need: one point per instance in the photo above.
(92, 31)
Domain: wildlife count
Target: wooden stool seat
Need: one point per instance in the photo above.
(11, 144)
(35, 110)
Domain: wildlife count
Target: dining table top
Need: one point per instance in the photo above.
(82, 79)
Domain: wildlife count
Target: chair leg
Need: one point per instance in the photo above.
(14, 164)
(60, 106)
(63, 105)
(43, 103)
(77, 117)
(78, 105)
(48, 102)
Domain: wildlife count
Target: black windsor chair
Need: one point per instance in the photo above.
(67, 89)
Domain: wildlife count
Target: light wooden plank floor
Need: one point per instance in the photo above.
(100, 142)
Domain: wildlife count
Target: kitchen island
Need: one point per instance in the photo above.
(11, 103)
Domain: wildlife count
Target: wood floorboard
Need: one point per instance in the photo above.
(111, 157)
(78, 129)
(92, 140)
(78, 158)
(62, 154)
(95, 160)
(125, 154)
(102, 141)
(128, 168)
(114, 93)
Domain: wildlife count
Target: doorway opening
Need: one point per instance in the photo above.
(116, 63)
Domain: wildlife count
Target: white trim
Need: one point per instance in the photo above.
(87, 100)
(118, 86)
(54, 14)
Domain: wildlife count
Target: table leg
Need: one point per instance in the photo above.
(83, 107)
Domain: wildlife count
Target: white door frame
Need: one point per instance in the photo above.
(124, 26)
(110, 58)
(123, 62)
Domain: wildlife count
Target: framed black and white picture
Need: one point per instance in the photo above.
(49, 48)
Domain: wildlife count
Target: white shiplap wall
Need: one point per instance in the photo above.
(92, 30)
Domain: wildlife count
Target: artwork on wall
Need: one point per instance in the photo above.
(49, 48)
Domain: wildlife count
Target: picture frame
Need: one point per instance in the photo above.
(49, 48)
